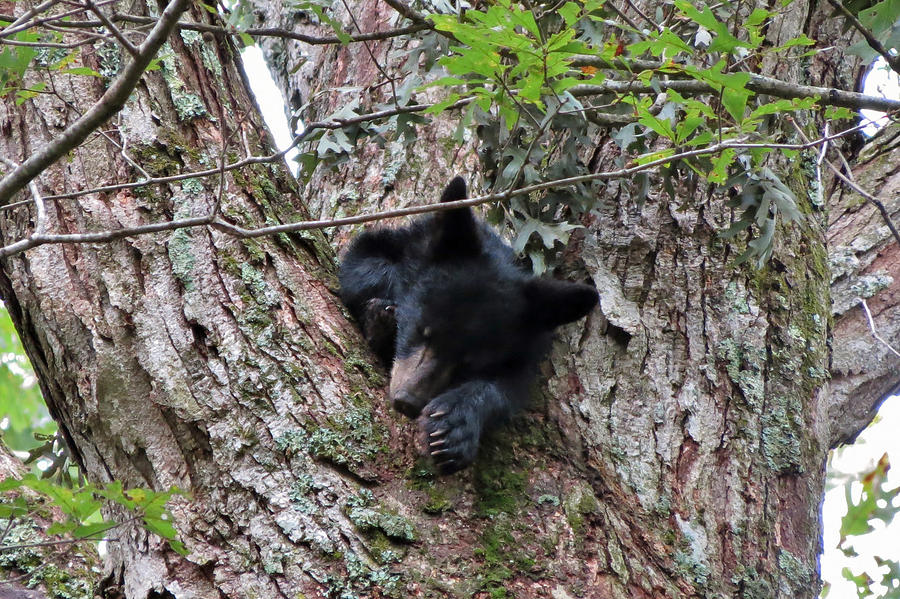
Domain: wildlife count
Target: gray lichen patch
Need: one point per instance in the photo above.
(744, 363)
(367, 516)
(350, 440)
(781, 433)
(181, 256)
(692, 558)
(188, 106)
(795, 575)
(35, 569)
(867, 286)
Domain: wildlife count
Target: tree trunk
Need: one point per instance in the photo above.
(677, 448)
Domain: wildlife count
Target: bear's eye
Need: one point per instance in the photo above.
(426, 332)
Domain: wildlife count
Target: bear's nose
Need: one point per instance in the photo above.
(408, 405)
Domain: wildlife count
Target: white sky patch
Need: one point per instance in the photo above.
(880, 81)
(271, 103)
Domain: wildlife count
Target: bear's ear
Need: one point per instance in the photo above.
(551, 303)
(455, 231)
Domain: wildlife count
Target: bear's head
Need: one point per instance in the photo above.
(472, 313)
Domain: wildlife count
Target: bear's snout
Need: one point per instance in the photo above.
(408, 405)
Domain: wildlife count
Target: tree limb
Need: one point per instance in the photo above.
(757, 84)
(252, 31)
(210, 219)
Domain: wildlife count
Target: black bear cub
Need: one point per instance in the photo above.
(464, 325)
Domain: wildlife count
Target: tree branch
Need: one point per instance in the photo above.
(872, 329)
(241, 232)
(253, 31)
(111, 102)
(757, 83)
(129, 47)
(848, 180)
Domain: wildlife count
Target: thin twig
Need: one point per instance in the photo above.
(68, 46)
(372, 55)
(222, 155)
(11, 29)
(624, 17)
(252, 31)
(650, 21)
(872, 327)
(757, 83)
(848, 180)
(9, 526)
(17, 23)
(405, 10)
(310, 128)
(51, 543)
(40, 222)
(210, 220)
(820, 184)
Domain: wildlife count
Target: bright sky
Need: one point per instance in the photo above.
(270, 100)
(879, 438)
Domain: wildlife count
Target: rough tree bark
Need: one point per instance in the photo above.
(677, 448)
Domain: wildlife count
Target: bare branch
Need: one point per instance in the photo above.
(69, 46)
(875, 334)
(253, 31)
(111, 102)
(310, 128)
(17, 23)
(12, 29)
(372, 54)
(406, 11)
(848, 180)
(103, 236)
(211, 220)
(759, 84)
(41, 219)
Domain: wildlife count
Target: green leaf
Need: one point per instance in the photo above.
(92, 530)
(570, 13)
(719, 172)
(880, 17)
(660, 126)
(735, 101)
(343, 36)
(161, 527)
(686, 126)
(442, 105)
(856, 521)
(723, 40)
(81, 71)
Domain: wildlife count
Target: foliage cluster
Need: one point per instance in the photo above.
(541, 83)
(80, 508)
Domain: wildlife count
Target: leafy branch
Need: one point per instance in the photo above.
(81, 510)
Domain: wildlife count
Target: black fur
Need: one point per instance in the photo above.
(464, 326)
